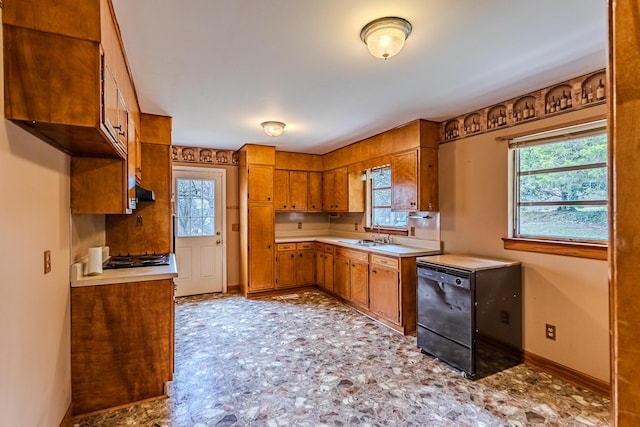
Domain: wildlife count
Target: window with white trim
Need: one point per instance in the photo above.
(560, 187)
(381, 214)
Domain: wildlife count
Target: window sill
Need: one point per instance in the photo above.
(392, 231)
(554, 247)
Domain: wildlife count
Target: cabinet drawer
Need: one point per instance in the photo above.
(385, 261)
(324, 247)
(286, 247)
(352, 254)
(304, 245)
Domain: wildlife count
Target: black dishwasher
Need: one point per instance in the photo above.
(470, 318)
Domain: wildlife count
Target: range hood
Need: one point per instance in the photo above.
(144, 195)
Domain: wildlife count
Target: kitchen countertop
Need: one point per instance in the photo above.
(467, 262)
(399, 250)
(123, 275)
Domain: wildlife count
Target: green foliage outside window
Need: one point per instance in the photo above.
(562, 189)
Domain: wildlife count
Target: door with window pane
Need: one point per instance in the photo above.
(199, 230)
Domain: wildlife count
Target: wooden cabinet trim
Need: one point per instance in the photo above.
(385, 261)
(573, 249)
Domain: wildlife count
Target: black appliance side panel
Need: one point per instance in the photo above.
(499, 305)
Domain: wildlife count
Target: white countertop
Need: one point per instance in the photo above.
(123, 275)
(383, 249)
(467, 262)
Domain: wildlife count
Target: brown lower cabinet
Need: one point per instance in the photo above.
(351, 276)
(382, 287)
(324, 266)
(122, 339)
(294, 264)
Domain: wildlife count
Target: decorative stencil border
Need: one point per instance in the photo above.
(581, 92)
(203, 156)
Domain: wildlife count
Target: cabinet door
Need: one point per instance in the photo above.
(298, 190)
(281, 190)
(133, 149)
(384, 293)
(285, 261)
(404, 181)
(320, 269)
(428, 179)
(304, 267)
(260, 233)
(260, 185)
(328, 272)
(120, 352)
(360, 283)
(109, 100)
(341, 190)
(314, 199)
(341, 283)
(328, 190)
(123, 122)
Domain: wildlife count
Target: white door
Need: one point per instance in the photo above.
(199, 230)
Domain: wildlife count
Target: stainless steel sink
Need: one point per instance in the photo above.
(367, 243)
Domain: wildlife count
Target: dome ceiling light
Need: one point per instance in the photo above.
(385, 37)
(273, 128)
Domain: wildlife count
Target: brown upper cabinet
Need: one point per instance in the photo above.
(290, 190)
(66, 76)
(314, 199)
(414, 180)
(342, 191)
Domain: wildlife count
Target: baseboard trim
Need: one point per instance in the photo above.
(279, 292)
(234, 289)
(67, 420)
(578, 378)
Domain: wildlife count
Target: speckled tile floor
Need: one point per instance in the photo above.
(307, 360)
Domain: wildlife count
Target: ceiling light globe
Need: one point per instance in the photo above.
(385, 37)
(273, 128)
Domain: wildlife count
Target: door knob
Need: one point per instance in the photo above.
(218, 242)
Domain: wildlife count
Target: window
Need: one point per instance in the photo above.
(561, 184)
(381, 214)
(195, 207)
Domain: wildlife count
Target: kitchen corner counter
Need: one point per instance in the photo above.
(399, 250)
(123, 275)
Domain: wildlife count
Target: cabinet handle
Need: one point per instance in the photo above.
(291, 255)
(119, 127)
(313, 206)
(294, 206)
(284, 206)
(374, 271)
(268, 199)
(268, 246)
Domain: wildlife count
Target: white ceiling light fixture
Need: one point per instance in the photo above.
(273, 128)
(385, 37)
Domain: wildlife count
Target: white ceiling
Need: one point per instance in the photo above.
(220, 67)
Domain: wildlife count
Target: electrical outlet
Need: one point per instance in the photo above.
(299, 226)
(355, 226)
(412, 231)
(550, 331)
(47, 262)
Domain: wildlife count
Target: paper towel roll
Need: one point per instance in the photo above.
(94, 265)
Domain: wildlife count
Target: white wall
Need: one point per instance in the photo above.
(35, 315)
(570, 293)
(35, 385)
